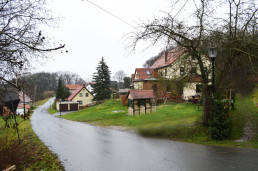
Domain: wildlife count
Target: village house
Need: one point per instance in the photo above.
(80, 98)
(81, 95)
(172, 65)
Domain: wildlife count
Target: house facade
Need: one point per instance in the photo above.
(173, 65)
(143, 78)
(81, 95)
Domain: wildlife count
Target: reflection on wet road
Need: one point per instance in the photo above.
(84, 147)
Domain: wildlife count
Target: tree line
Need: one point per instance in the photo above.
(44, 84)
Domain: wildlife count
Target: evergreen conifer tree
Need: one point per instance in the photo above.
(62, 92)
(101, 89)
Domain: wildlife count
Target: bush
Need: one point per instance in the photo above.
(124, 100)
(220, 122)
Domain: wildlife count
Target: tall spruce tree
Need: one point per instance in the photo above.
(62, 92)
(101, 89)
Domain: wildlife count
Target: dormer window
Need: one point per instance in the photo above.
(148, 73)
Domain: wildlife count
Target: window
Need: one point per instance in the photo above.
(86, 94)
(80, 94)
(182, 70)
(148, 73)
(80, 102)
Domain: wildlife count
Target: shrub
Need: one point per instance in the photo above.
(220, 122)
(124, 100)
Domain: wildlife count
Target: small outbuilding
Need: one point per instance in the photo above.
(141, 102)
(65, 106)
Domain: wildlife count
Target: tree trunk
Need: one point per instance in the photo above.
(206, 105)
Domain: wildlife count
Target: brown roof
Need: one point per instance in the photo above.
(144, 73)
(142, 94)
(171, 56)
(76, 92)
(26, 106)
(133, 75)
(72, 86)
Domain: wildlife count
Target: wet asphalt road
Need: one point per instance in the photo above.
(84, 147)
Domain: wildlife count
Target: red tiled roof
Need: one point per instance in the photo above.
(142, 94)
(172, 56)
(72, 86)
(142, 73)
(76, 92)
(132, 77)
(91, 83)
(26, 106)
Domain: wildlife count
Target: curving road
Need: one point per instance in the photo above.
(84, 147)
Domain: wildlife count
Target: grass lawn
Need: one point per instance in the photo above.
(52, 110)
(30, 154)
(174, 121)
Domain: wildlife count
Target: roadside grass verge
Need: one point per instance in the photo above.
(30, 154)
(52, 110)
(41, 102)
(246, 111)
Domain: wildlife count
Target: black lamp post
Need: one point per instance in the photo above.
(212, 53)
(60, 105)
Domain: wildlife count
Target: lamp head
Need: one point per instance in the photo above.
(212, 52)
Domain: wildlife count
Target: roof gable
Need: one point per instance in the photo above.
(168, 58)
(144, 73)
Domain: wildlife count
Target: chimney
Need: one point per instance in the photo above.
(166, 56)
(83, 85)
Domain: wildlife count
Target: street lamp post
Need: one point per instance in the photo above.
(213, 53)
(60, 105)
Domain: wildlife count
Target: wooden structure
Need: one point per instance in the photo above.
(141, 102)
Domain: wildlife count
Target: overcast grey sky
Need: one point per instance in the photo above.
(90, 33)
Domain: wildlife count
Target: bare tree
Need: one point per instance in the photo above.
(197, 37)
(119, 75)
(21, 41)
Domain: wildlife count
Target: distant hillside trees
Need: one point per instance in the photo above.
(43, 84)
(102, 78)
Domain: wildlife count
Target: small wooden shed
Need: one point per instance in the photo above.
(141, 102)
